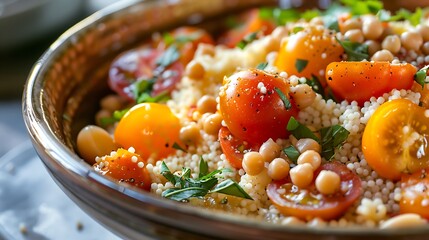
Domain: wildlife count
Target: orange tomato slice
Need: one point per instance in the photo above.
(151, 128)
(415, 193)
(396, 138)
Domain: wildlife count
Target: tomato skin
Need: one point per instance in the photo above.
(249, 22)
(315, 45)
(389, 141)
(251, 115)
(234, 148)
(359, 81)
(122, 168)
(314, 204)
(140, 64)
(151, 128)
(415, 193)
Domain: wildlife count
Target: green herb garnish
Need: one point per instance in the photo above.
(355, 51)
(283, 97)
(116, 117)
(247, 39)
(178, 147)
(402, 14)
(292, 153)
(297, 29)
(332, 137)
(420, 76)
(300, 64)
(187, 187)
(262, 66)
(146, 97)
(168, 57)
(299, 130)
(278, 15)
(315, 84)
(310, 14)
(358, 8)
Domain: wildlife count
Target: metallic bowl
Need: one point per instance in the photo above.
(61, 96)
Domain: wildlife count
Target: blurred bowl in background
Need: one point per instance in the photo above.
(23, 21)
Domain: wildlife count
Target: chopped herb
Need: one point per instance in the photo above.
(178, 147)
(232, 188)
(358, 8)
(299, 130)
(402, 14)
(247, 39)
(310, 14)
(278, 15)
(420, 76)
(142, 86)
(116, 117)
(300, 64)
(355, 51)
(168, 57)
(146, 97)
(315, 84)
(332, 137)
(297, 29)
(168, 38)
(292, 153)
(283, 97)
(262, 66)
(333, 25)
(201, 186)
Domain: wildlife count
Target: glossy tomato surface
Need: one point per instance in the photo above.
(252, 108)
(415, 193)
(395, 140)
(309, 203)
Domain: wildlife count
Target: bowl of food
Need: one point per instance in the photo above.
(242, 119)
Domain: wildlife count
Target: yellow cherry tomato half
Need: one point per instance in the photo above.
(395, 140)
(415, 193)
(308, 52)
(151, 128)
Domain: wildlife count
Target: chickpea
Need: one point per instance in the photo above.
(310, 156)
(302, 175)
(253, 163)
(278, 169)
(354, 35)
(205, 49)
(112, 102)
(212, 124)
(305, 144)
(269, 150)
(424, 31)
(195, 70)
(206, 104)
(303, 95)
(93, 141)
(372, 28)
(352, 23)
(425, 48)
(328, 182)
(373, 46)
(382, 56)
(411, 40)
(189, 134)
(392, 43)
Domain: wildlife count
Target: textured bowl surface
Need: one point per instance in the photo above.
(61, 97)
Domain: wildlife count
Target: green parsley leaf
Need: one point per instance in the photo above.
(310, 14)
(402, 14)
(247, 39)
(168, 57)
(116, 117)
(185, 193)
(292, 153)
(178, 147)
(262, 66)
(332, 137)
(278, 15)
(283, 97)
(297, 29)
(204, 168)
(231, 187)
(300, 64)
(168, 38)
(201, 186)
(420, 76)
(315, 84)
(146, 97)
(363, 7)
(299, 130)
(355, 51)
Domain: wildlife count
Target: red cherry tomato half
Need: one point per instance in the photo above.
(253, 109)
(309, 203)
(234, 148)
